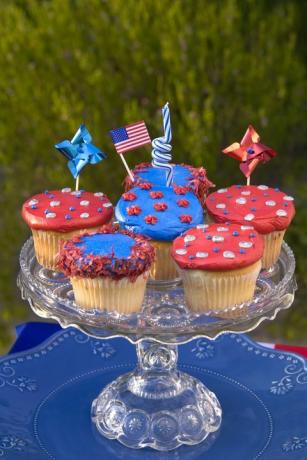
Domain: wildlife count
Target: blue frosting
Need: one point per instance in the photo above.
(157, 176)
(168, 226)
(103, 244)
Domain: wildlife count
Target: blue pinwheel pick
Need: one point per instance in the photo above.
(80, 151)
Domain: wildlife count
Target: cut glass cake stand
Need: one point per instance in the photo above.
(156, 405)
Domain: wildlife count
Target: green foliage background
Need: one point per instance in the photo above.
(220, 63)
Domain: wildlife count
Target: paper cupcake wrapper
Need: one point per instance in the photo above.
(210, 290)
(164, 267)
(272, 248)
(47, 244)
(123, 296)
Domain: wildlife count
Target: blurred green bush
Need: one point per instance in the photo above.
(221, 65)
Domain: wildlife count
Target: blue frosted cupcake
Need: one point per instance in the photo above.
(108, 270)
(162, 214)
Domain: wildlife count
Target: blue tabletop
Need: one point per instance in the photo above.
(46, 393)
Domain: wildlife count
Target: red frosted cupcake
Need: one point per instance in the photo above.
(219, 264)
(268, 210)
(61, 214)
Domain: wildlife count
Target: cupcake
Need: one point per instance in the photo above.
(108, 269)
(219, 265)
(61, 214)
(160, 213)
(195, 179)
(268, 210)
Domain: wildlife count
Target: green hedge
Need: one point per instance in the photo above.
(221, 65)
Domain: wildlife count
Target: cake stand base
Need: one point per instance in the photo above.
(156, 405)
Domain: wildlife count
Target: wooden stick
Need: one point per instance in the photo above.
(77, 183)
(127, 167)
(248, 181)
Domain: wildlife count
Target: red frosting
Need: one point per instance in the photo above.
(73, 262)
(265, 208)
(151, 220)
(65, 211)
(160, 206)
(218, 247)
(134, 210)
(156, 195)
(186, 218)
(183, 203)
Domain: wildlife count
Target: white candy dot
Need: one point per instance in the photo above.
(188, 238)
(288, 198)
(221, 206)
(246, 192)
(201, 254)
(32, 202)
(245, 244)
(247, 227)
(84, 203)
(263, 187)
(249, 217)
(99, 194)
(50, 215)
(217, 239)
(107, 205)
(202, 226)
(241, 200)
(281, 213)
(55, 203)
(222, 190)
(270, 203)
(84, 215)
(229, 255)
(181, 252)
(222, 229)
(66, 190)
(76, 192)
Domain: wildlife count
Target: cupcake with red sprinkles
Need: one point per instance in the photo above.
(58, 215)
(219, 264)
(161, 214)
(108, 269)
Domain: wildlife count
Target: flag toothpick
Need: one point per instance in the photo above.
(128, 138)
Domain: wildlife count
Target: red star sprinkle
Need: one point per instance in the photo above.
(180, 190)
(183, 203)
(185, 218)
(145, 185)
(134, 210)
(129, 196)
(151, 220)
(156, 195)
(160, 206)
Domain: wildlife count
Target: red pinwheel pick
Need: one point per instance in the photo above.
(250, 152)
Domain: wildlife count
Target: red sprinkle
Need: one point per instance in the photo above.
(185, 218)
(160, 206)
(151, 220)
(145, 185)
(156, 195)
(183, 203)
(180, 190)
(129, 196)
(134, 210)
